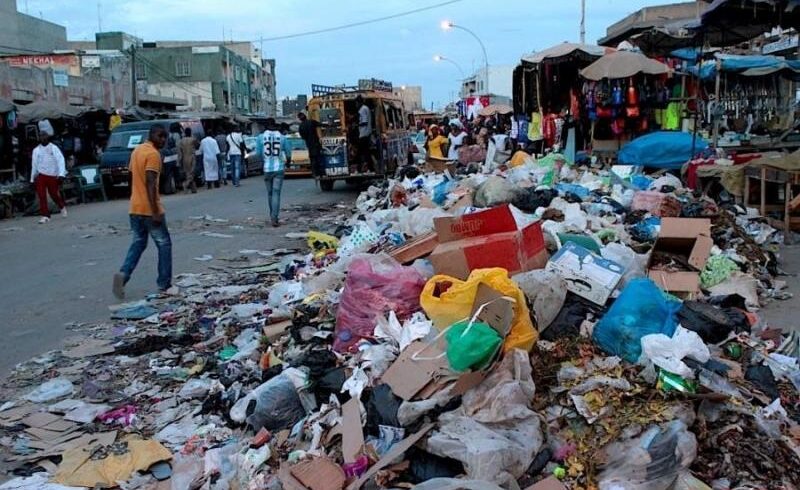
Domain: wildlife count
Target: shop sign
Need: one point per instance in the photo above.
(90, 62)
(784, 43)
(60, 78)
(42, 60)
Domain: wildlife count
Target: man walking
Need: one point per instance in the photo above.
(308, 131)
(210, 151)
(277, 154)
(364, 135)
(186, 157)
(236, 151)
(47, 170)
(222, 143)
(147, 213)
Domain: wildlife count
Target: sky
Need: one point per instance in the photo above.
(399, 50)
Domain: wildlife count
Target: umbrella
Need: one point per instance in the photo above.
(566, 49)
(623, 64)
(43, 109)
(6, 105)
(492, 109)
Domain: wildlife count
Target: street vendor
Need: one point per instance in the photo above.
(47, 170)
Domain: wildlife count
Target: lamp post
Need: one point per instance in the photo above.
(447, 25)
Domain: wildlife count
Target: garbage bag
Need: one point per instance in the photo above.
(274, 405)
(494, 433)
(633, 263)
(567, 322)
(546, 292)
(375, 285)
(718, 268)
(426, 466)
(651, 461)
(381, 407)
(762, 378)
(496, 190)
(712, 324)
(668, 352)
(447, 300)
(641, 309)
(471, 345)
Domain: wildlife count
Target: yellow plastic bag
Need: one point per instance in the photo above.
(455, 303)
(322, 243)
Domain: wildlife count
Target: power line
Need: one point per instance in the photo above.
(357, 24)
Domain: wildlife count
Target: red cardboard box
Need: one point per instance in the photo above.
(487, 239)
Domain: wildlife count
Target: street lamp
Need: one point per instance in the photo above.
(438, 58)
(447, 25)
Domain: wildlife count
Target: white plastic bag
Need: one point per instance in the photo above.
(50, 390)
(668, 353)
(633, 263)
(546, 292)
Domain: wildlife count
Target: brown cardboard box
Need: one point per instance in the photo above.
(487, 239)
(689, 238)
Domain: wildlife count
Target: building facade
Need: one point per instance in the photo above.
(411, 95)
(497, 80)
(25, 34)
(290, 106)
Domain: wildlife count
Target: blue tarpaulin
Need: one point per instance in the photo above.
(745, 64)
(662, 149)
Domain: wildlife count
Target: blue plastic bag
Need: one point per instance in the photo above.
(641, 309)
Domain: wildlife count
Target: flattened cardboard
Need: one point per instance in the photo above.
(407, 377)
(394, 453)
(40, 419)
(549, 483)
(586, 274)
(417, 248)
(499, 310)
(352, 432)
(487, 239)
(319, 474)
(690, 237)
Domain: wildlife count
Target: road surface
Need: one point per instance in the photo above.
(61, 272)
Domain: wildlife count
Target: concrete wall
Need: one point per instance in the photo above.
(20, 33)
(498, 82)
(411, 96)
(199, 95)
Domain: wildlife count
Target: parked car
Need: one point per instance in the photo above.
(125, 137)
(299, 167)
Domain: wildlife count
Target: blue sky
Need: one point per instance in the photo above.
(400, 50)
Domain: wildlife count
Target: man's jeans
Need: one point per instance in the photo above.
(274, 181)
(236, 167)
(141, 226)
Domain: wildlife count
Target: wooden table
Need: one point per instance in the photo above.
(764, 175)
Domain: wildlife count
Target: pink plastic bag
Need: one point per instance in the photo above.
(375, 285)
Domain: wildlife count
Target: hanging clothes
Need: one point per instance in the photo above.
(672, 116)
(535, 127)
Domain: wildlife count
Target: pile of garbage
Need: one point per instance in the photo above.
(549, 325)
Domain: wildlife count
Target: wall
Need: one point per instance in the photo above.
(411, 96)
(22, 33)
(499, 82)
(197, 94)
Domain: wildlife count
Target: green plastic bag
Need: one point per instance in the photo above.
(717, 270)
(471, 346)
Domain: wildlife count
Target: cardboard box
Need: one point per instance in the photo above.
(656, 203)
(417, 248)
(586, 274)
(487, 239)
(689, 239)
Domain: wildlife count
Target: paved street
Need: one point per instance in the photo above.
(61, 272)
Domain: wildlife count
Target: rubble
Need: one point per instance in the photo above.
(563, 329)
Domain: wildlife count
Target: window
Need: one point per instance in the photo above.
(183, 68)
(141, 70)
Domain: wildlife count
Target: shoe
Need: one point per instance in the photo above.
(118, 287)
(63, 212)
(44, 219)
(275, 223)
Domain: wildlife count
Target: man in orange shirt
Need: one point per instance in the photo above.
(146, 212)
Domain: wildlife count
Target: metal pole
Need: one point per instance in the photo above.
(583, 21)
(716, 99)
(134, 94)
(483, 48)
(228, 77)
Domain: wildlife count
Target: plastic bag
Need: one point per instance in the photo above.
(50, 390)
(495, 191)
(641, 309)
(493, 433)
(277, 406)
(546, 292)
(447, 300)
(718, 269)
(668, 352)
(375, 285)
(651, 461)
(471, 345)
(633, 263)
(322, 243)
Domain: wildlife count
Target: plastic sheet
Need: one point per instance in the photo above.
(51, 390)
(495, 191)
(651, 461)
(668, 352)
(641, 309)
(546, 292)
(375, 285)
(493, 433)
(634, 264)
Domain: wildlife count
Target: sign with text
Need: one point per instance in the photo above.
(42, 60)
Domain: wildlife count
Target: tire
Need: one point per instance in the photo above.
(326, 185)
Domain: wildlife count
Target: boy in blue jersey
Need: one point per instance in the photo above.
(276, 153)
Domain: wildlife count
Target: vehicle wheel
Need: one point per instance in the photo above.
(326, 185)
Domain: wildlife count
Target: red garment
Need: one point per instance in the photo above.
(48, 184)
(549, 129)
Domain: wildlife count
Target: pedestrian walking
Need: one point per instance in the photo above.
(222, 143)
(277, 154)
(187, 147)
(309, 131)
(236, 152)
(147, 213)
(210, 150)
(47, 170)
